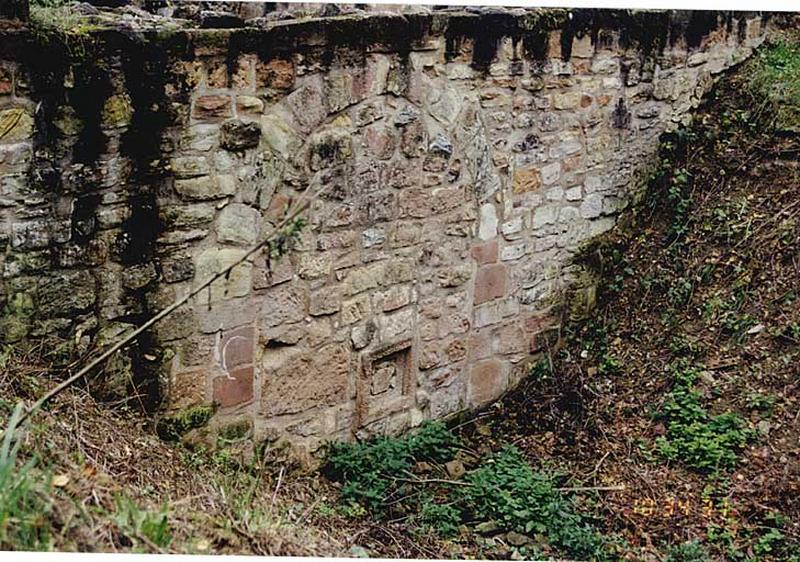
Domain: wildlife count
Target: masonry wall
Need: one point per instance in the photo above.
(464, 160)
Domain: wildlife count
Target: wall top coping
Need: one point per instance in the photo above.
(648, 31)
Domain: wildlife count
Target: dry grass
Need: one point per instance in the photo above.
(108, 477)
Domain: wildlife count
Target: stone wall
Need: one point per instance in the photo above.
(14, 9)
(465, 158)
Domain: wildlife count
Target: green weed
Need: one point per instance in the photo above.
(776, 82)
(703, 442)
(373, 470)
(142, 525)
(24, 499)
(443, 518)
(174, 426)
(246, 511)
(691, 551)
(507, 491)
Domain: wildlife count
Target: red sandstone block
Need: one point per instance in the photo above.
(485, 253)
(212, 107)
(234, 389)
(277, 74)
(490, 283)
(480, 345)
(487, 381)
(236, 347)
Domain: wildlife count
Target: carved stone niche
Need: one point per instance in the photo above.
(386, 383)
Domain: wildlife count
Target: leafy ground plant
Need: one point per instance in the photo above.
(502, 494)
(143, 525)
(703, 442)
(507, 491)
(691, 551)
(776, 82)
(373, 471)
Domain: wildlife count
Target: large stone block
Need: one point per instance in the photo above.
(487, 381)
(206, 187)
(490, 283)
(238, 224)
(277, 74)
(213, 107)
(66, 293)
(296, 381)
(527, 179)
(283, 305)
(237, 135)
(235, 388)
(279, 135)
(214, 260)
(15, 124)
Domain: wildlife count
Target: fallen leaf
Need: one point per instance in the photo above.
(60, 480)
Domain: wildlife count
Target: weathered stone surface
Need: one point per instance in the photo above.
(490, 283)
(325, 301)
(188, 389)
(15, 124)
(279, 135)
(296, 381)
(527, 179)
(214, 260)
(190, 166)
(487, 381)
(213, 107)
(239, 135)
(355, 310)
(66, 293)
(236, 348)
(234, 389)
(392, 298)
(396, 326)
(283, 305)
(249, 105)
(238, 224)
(485, 253)
(330, 148)
(276, 73)
(487, 228)
(117, 111)
(592, 206)
(177, 268)
(206, 187)
(455, 194)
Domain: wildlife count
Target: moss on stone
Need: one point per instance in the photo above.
(173, 427)
(234, 431)
(117, 111)
(15, 322)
